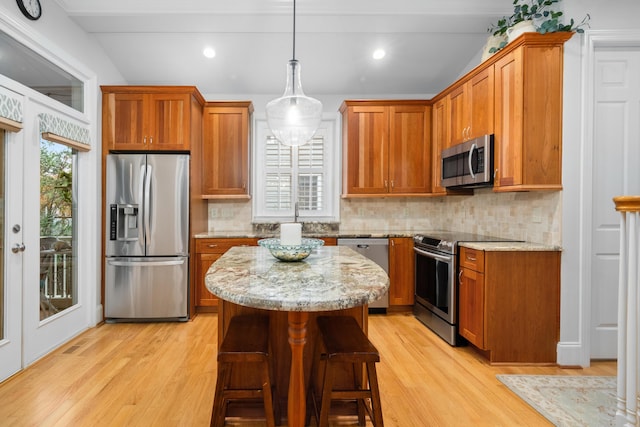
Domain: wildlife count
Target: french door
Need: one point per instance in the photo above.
(45, 292)
(10, 254)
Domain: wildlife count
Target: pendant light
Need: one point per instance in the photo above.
(294, 117)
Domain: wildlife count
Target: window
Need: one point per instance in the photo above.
(285, 176)
(58, 201)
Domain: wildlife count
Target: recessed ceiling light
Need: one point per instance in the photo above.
(209, 52)
(379, 54)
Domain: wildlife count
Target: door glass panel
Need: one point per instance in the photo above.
(58, 277)
(2, 240)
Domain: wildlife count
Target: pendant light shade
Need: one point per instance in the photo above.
(294, 117)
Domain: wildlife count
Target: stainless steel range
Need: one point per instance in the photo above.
(436, 280)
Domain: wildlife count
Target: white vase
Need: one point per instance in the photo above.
(518, 29)
(492, 42)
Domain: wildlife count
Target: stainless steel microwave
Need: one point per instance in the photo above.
(468, 164)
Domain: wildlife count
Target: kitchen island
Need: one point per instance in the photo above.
(331, 281)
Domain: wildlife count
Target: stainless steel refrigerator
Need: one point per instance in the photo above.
(147, 237)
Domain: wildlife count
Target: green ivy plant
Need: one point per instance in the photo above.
(547, 19)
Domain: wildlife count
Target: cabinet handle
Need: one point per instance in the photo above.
(244, 185)
(144, 141)
(151, 140)
(470, 258)
(392, 185)
(386, 184)
(393, 242)
(495, 174)
(460, 276)
(212, 245)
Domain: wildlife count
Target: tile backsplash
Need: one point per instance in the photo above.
(531, 216)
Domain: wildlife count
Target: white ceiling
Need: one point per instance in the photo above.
(428, 42)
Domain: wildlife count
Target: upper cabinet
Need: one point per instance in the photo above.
(142, 118)
(386, 148)
(225, 150)
(528, 103)
(471, 105)
(440, 140)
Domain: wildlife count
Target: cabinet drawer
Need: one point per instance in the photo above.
(472, 259)
(220, 246)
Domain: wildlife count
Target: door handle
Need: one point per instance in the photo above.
(18, 247)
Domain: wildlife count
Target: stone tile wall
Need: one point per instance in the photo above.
(529, 216)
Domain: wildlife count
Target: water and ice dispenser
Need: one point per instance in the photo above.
(124, 222)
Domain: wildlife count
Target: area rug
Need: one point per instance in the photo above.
(567, 400)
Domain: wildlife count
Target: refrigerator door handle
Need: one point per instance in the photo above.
(119, 263)
(143, 235)
(147, 203)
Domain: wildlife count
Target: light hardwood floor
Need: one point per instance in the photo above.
(163, 374)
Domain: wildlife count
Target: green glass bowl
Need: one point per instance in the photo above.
(290, 252)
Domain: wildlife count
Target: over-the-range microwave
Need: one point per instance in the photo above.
(468, 164)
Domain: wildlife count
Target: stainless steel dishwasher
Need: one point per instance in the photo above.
(377, 250)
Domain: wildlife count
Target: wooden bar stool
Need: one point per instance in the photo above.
(342, 341)
(246, 342)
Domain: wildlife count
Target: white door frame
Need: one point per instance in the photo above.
(575, 346)
(89, 188)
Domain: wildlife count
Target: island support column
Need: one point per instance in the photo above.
(627, 399)
(296, 405)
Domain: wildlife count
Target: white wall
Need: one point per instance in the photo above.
(574, 315)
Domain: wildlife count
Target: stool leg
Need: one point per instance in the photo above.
(357, 385)
(266, 394)
(325, 406)
(219, 402)
(375, 395)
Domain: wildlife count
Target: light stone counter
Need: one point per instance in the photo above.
(331, 278)
(510, 246)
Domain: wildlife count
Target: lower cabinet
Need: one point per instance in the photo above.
(401, 272)
(509, 304)
(207, 252)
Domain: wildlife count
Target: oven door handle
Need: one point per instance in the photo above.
(442, 258)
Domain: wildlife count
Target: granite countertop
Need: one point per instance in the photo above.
(314, 234)
(509, 246)
(331, 278)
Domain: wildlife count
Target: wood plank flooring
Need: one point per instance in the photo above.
(163, 374)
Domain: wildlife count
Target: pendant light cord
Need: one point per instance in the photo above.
(294, 30)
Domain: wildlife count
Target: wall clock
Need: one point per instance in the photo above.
(30, 8)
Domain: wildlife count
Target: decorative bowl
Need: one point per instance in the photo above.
(290, 252)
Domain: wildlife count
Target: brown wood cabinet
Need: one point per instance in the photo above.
(471, 105)
(386, 148)
(207, 252)
(440, 140)
(142, 118)
(225, 151)
(509, 304)
(401, 271)
(528, 125)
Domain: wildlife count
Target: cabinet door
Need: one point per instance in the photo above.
(169, 126)
(409, 149)
(401, 271)
(365, 140)
(508, 154)
(124, 121)
(480, 102)
(440, 141)
(459, 123)
(225, 157)
(204, 298)
(471, 306)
